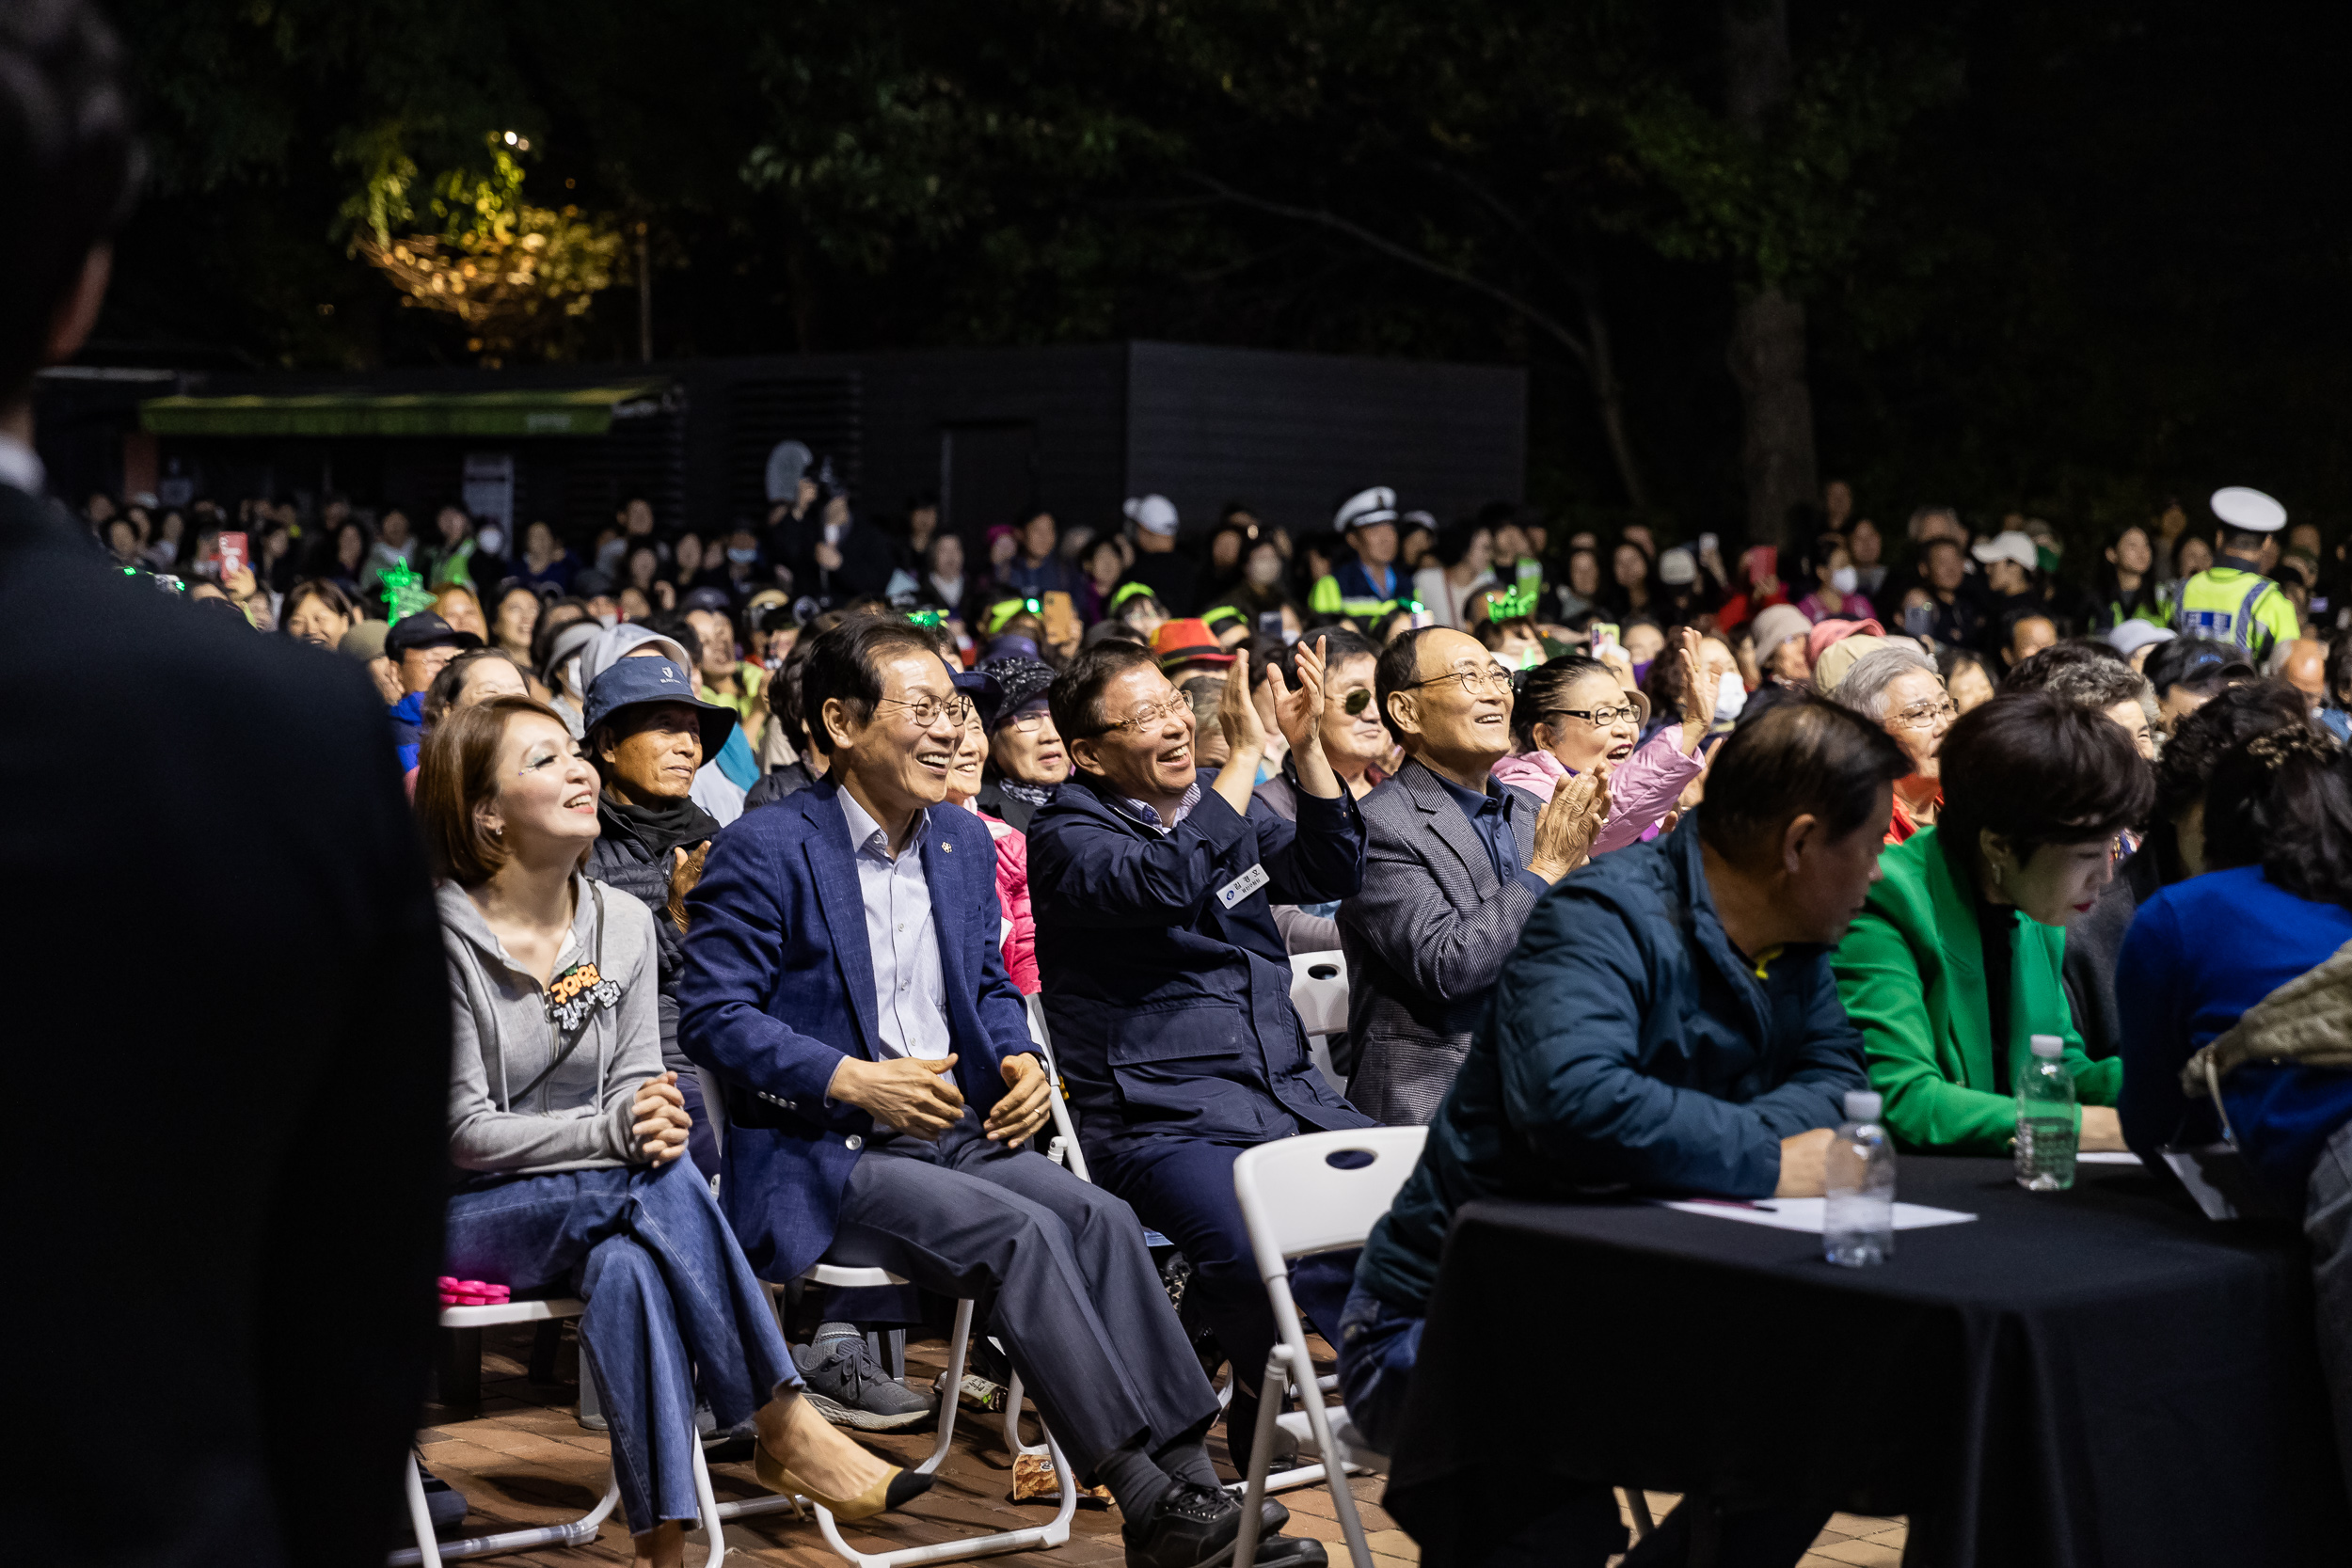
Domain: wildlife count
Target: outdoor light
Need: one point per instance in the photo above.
(511, 139)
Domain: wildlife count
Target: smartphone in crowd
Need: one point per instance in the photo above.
(1059, 615)
(233, 557)
(1270, 624)
(1604, 636)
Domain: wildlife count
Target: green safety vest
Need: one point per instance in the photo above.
(2229, 604)
(1323, 599)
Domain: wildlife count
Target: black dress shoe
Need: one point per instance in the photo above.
(1272, 1516)
(1190, 1526)
(1290, 1551)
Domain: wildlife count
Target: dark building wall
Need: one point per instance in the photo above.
(1292, 434)
(1078, 430)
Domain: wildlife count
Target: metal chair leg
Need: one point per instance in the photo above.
(1638, 1500)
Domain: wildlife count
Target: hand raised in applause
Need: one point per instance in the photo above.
(1567, 825)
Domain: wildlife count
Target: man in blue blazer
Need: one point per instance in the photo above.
(843, 980)
(1166, 984)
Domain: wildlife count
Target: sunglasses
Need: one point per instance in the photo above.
(1357, 701)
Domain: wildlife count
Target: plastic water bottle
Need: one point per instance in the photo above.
(2045, 1120)
(1858, 1212)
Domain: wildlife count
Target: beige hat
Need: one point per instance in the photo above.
(365, 641)
(1841, 656)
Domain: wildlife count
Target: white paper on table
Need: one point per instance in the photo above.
(1805, 1214)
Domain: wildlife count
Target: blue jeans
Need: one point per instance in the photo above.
(1377, 1345)
(668, 1297)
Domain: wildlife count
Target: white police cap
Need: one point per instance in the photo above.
(2251, 509)
(1365, 508)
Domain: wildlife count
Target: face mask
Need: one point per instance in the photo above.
(1265, 574)
(1844, 580)
(1731, 697)
(494, 540)
(743, 557)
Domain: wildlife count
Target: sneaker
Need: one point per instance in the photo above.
(1190, 1526)
(1290, 1551)
(849, 1387)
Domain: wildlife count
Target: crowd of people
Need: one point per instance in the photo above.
(1633, 873)
(710, 920)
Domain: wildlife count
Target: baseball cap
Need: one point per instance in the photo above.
(1187, 642)
(1152, 514)
(709, 599)
(636, 682)
(424, 629)
(2135, 634)
(2007, 545)
(364, 641)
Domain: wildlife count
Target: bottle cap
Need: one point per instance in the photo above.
(2048, 1045)
(1864, 1105)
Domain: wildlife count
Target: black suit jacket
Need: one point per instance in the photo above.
(228, 1047)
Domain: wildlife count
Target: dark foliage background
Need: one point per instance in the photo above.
(2068, 261)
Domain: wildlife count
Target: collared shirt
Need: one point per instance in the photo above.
(1491, 819)
(21, 467)
(1151, 819)
(910, 991)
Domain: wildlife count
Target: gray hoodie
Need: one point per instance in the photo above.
(512, 1106)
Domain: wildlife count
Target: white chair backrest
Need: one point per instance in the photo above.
(1319, 991)
(1035, 1005)
(1295, 1201)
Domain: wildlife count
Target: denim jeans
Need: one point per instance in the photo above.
(668, 1297)
(1377, 1346)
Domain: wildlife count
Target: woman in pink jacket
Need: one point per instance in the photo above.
(1019, 933)
(1573, 717)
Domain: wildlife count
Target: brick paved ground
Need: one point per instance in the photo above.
(523, 1459)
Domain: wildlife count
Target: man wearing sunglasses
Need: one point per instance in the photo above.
(1454, 862)
(1165, 983)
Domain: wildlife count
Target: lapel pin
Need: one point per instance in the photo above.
(949, 847)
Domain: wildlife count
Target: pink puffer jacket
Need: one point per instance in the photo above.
(1642, 789)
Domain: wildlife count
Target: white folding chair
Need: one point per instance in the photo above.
(431, 1553)
(1295, 1203)
(1037, 1538)
(1319, 995)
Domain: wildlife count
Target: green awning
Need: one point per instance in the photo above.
(554, 411)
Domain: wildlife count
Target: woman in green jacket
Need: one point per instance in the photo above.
(1945, 980)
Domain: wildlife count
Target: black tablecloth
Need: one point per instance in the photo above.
(2100, 1378)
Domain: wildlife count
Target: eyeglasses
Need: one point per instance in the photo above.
(1149, 714)
(926, 711)
(1922, 716)
(1355, 702)
(1600, 717)
(1026, 722)
(1489, 682)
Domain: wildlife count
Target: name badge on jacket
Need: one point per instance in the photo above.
(1242, 886)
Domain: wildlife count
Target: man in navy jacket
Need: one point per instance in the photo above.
(843, 981)
(1668, 1025)
(1166, 984)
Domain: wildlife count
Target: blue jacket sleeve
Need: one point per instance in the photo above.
(1319, 859)
(1568, 1019)
(734, 945)
(2153, 1019)
(1115, 879)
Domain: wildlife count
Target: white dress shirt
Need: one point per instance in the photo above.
(910, 992)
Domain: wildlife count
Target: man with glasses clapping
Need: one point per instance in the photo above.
(1453, 861)
(1166, 981)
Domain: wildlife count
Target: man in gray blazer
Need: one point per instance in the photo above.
(1454, 862)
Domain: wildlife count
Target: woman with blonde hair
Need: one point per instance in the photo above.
(566, 1133)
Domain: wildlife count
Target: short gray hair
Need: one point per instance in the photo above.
(1863, 688)
(2101, 684)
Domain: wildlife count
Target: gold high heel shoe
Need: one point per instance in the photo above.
(894, 1490)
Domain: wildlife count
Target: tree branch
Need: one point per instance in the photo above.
(1577, 348)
